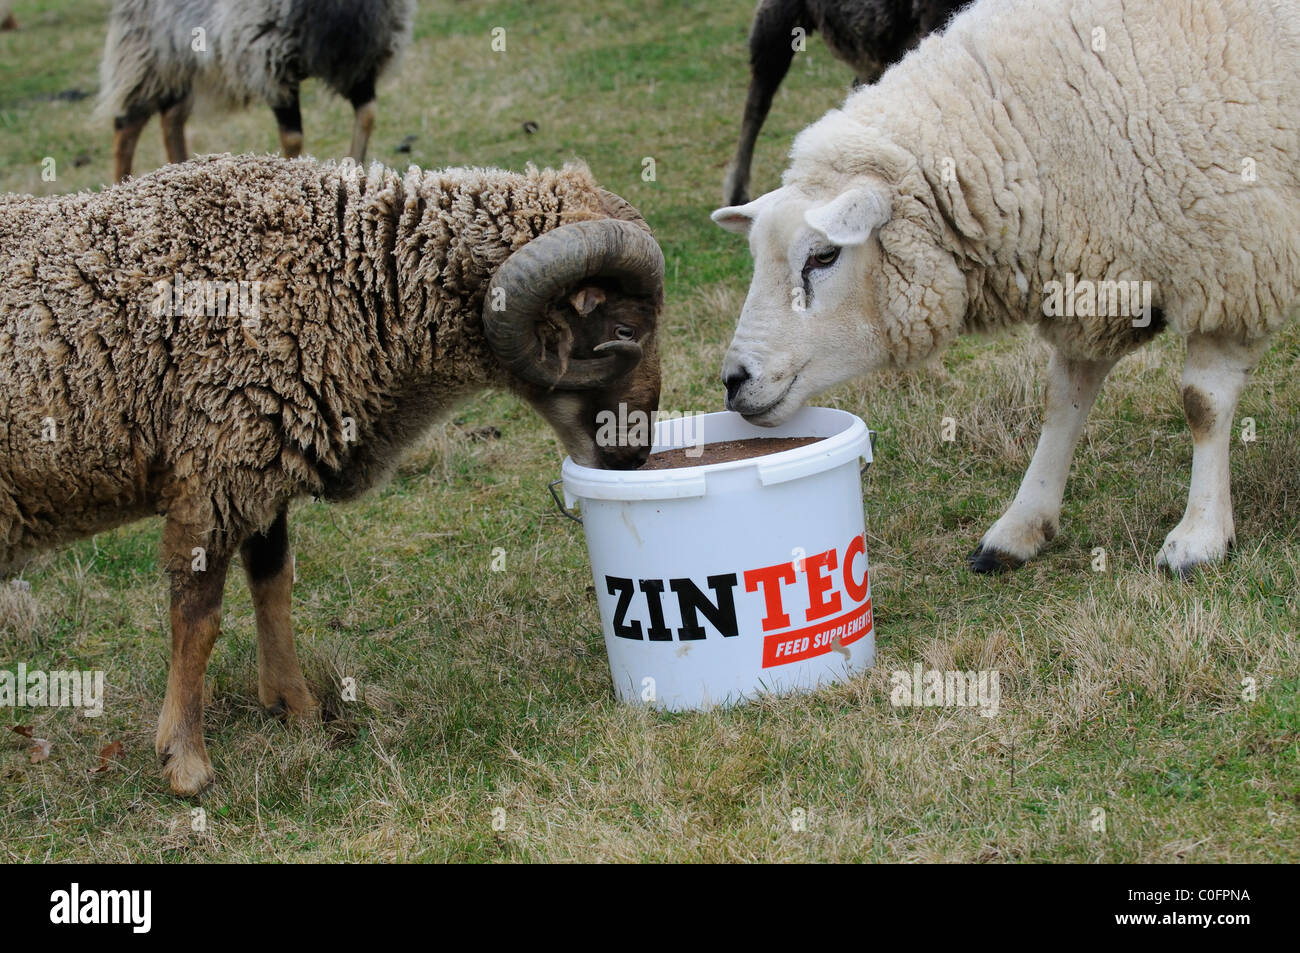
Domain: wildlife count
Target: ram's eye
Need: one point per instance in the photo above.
(624, 333)
(824, 258)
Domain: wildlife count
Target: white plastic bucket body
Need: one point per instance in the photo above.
(719, 582)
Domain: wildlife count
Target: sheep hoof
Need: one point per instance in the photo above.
(986, 559)
(188, 771)
(297, 702)
(1183, 558)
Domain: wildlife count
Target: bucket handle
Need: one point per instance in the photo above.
(559, 504)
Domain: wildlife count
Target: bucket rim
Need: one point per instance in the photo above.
(848, 443)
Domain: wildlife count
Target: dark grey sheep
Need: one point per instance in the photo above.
(869, 35)
(161, 53)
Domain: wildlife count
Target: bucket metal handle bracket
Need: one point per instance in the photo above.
(559, 503)
(871, 435)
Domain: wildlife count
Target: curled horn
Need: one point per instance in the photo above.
(531, 279)
(620, 208)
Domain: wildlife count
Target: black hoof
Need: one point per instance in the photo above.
(988, 560)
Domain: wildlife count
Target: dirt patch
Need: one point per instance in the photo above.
(725, 451)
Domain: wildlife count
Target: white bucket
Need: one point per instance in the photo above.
(766, 558)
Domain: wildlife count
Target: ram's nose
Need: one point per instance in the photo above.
(624, 456)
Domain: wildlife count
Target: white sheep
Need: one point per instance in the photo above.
(1035, 148)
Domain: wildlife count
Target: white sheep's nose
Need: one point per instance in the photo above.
(733, 379)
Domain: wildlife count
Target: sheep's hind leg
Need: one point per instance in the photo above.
(268, 567)
(197, 581)
(1031, 522)
(126, 134)
(1213, 378)
(173, 116)
(289, 118)
(362, 97)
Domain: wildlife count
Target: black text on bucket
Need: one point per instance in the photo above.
(832, 583)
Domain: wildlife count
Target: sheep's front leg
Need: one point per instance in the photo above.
(771, 50)
(198, 577)
(1031, 522)
(362, 97)
(268, 567)
(173, 117)
(126, 135)
(1213, 378)
(289, 118)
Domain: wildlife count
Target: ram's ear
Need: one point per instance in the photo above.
(586, 300)
(851, 217)
(740, 218)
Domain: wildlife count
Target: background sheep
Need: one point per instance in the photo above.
(1035, 143)
(381, 300)
(869, 35)
(156, 60)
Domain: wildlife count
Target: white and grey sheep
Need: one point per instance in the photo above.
(219, 338)
(1036, 156)
(868, 35)
(161, 54)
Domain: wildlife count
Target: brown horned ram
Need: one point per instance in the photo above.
(216, 339)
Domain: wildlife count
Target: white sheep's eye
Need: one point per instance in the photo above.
(824, 258)
(624, 333)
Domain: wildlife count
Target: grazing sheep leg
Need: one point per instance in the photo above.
(269, 570)
(362, 97)
(126, 133)
(196, 622)
(771, 50)
(173, 117)
(1031, 522)
(289, 117)
(1213, 378)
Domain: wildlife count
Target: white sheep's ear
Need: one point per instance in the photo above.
(740, 218)
(850, 218)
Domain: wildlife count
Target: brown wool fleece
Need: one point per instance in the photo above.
(358, 323)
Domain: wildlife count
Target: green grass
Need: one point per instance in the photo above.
(478, 690)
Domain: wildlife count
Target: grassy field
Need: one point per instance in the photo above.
(1122, 690)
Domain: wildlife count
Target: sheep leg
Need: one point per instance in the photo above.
(173, 117)
(771, 50)
(268, 567)
(1214, 376)
(126, 133)
(197, 583)
(1031, 522)
(362, 97)
(289, 118)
